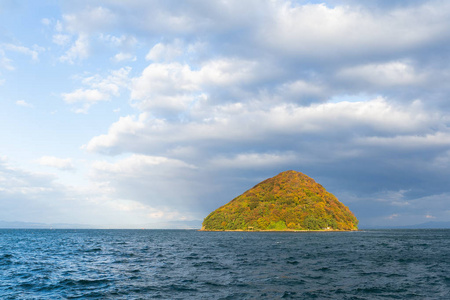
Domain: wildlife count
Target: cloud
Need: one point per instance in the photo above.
(410, 142)
(36, 197)
(85, 95)
(98, 89)
(356, 49)
(384, 74)
(124, 42)
(225, 94)
(5, 62)
(83, 25)
(78, 51)
(34, 54)
(63, 40)
(64, 164)
(243, 90)
(349, 31)
(134, 163)
(167, 89)
(165, 52)
(328, 141)
(232, 123)
(154, 181)
(25, 194)
(46, 21)
(89, 20)
(23, 103)
(254, 161)
(124, 57)
(302, 92)
(126, 45)
(58, 26)
(393, 216)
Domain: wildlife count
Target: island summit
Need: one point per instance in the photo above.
(290, 201)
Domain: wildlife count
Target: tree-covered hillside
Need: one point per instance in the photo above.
(288, 201)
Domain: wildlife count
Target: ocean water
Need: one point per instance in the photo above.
(187, 264)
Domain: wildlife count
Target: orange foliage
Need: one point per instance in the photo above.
(290, 198)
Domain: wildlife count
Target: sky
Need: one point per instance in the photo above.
(123, 114)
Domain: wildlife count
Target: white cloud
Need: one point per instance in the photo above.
(33, 53)
(243, 123)
(125, 125)
(301, 91)
(80, 50)
(131, 165)
(58, 26)
(233, 71)
(392, 217)
(64, 164)
(85, 95)
(384, 75)
(125, 42)
(115, 80)
(254, 161)
(165, 52)
(347, 31)
(165, 86)
(126, 45)
(170, 88)
(5, 62)
(62, 40)
(86, 98)
(89, 26)
(119, 57)
(46, 21)
(394, 198)
(98, 89)
(23, 103)
(89, 20)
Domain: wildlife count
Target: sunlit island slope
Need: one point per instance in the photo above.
(290, 201)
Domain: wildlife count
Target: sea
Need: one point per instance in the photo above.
(190, 264)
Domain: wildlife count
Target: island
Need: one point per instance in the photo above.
(290, 201)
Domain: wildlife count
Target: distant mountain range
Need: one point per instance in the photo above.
(195, 224)
(427, 225)
(30, 225)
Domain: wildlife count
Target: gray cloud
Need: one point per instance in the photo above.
(363, 148)
(233, 93)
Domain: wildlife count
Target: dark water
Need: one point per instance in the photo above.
(180, 264)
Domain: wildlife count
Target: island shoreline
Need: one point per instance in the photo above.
(241, 230)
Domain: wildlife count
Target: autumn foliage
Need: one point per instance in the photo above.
(288, 201)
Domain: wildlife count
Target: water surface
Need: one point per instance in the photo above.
(187, 264)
